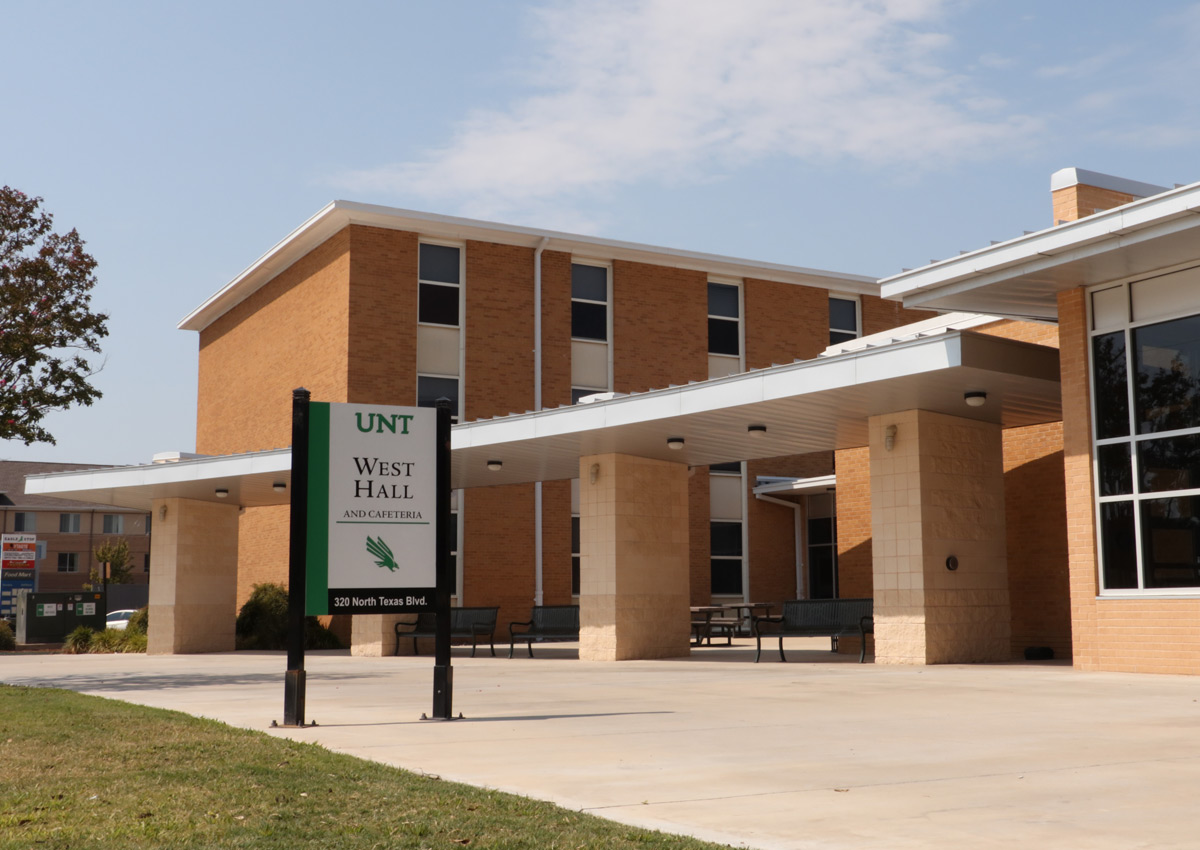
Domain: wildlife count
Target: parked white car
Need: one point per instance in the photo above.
(119, 619)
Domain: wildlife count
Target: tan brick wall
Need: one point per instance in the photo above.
(556, 328)
(1077, 472)
(1038, 333)
(854, 523)
(498, 551)
(556, 542)
(499, 332)
(1075, 202)
(291, 333)
(783, 322)
(382, 340)
(660, 326)
(1038, 568)
(879, 315)
(699, 542)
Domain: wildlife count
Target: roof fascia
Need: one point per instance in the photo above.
(339, 214)
(1106, 231)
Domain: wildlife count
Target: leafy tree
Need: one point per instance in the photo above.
(46, 321)
(115, 553)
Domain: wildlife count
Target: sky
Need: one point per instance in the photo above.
(183, 140)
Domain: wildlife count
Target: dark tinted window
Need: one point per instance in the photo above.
(589, 321)
(1116, 478)
(438, 304)
(1172, 463)
(723, 300)
(843, 315)
(733, 466)
(1170, 534)
(1118, 545)
(589, 282)
(838, 336)
(1167, 390)
(723, 337)
(726, 577)
(440, 263)
(430, 389)
(1111, 396)
(726, 538)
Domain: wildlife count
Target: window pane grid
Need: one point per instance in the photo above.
(1145, 389)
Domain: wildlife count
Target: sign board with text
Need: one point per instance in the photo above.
(18, 569)
(372, 509)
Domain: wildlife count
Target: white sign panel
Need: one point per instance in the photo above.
(372, 509)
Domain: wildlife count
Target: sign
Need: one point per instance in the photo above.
(372, 509)
(18, 569)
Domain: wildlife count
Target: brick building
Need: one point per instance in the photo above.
(389, 306)
(70, 529)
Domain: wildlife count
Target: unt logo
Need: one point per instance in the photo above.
(378, 422)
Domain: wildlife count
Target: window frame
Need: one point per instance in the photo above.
(25, 521)
(70, 519)
(857, 331)
(738, 321)
(458, 287)
(1137, 496)
(113, 524)
(607, 303)
(455, 415)
(68, 562)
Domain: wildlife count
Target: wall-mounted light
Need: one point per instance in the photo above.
(593, 473)
(675, 443)
(495, 465)
(278, 486)
(756, 430)
(976, 398)
(889, 438)
(222, 492)
(162, 512)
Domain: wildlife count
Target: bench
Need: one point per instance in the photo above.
(546, 623)
(832, 618)
(473, 623)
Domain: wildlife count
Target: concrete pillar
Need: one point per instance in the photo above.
(633, 522)
(375, 634)
(193, 569)
(939, 491)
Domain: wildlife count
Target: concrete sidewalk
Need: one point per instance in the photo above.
(818, 753)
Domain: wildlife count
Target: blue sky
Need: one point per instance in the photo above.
(183, 140)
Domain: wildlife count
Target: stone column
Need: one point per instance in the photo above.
(375, 634)
(633, 558)
(193, 577)
(938, 492)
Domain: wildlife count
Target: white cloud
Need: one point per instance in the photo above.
(681, 90)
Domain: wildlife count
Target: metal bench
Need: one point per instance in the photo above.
(546, 623)
(473, 623)
(832, 618)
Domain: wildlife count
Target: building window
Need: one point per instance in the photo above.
(725, 539)
(439, 284)
(432, 387)
(24, 521)
(1146, 421)
(724, 319)
(589, 302)
(575, 554)
(114, 524)
(843, 320)
(453, 552)
(146, 563)
(68, 523)
(68, 562)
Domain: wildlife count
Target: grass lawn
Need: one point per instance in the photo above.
(84, 772)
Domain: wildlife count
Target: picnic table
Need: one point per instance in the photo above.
(723, 620)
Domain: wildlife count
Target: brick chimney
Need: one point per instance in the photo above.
(1077, 193)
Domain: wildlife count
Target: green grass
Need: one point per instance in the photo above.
(83, 772)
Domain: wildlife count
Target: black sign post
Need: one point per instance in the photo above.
(443, 673)
(293, 692)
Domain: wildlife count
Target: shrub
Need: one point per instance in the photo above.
(139, 623)
(133, 641)
(79, 641)
(8, 641)
(263, 622)
(109, 640)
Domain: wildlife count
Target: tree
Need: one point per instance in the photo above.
(46, 321)
(114, 553)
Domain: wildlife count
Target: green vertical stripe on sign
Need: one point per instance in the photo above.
(317, 577)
